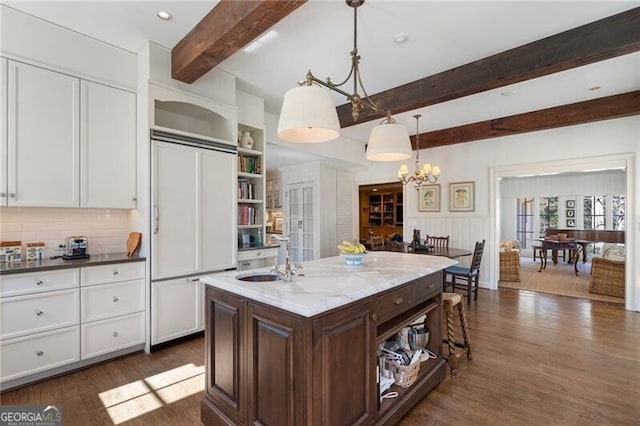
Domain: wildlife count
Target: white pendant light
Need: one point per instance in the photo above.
(389, 141)
(308, 115)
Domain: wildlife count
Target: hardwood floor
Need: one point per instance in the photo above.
(539, 359)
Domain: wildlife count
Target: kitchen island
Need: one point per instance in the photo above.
(304, 352)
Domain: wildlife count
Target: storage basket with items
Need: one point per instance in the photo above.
(399, 357)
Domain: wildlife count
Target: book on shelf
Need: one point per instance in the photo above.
(246, 215)
(249, 164)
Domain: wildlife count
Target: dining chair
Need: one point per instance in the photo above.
(437, 242)
(469, 274)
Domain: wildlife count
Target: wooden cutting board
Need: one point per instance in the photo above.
(133, 243)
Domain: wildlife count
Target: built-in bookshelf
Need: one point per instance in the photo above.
(251, 188)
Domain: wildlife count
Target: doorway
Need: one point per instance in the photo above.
(623, 162)
(381, 210)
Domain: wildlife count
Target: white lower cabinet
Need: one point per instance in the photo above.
(51, 319)
(260, 258)
(110, 300)
(178, 308)
(39, 352)
(101, 337)
(22, 315)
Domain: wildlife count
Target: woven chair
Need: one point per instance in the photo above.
(607, 277)
(471, 274)
(509, 266)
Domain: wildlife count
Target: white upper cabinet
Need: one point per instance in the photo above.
(43, 137)
(107, 147)
(3, 133)
(65, 142)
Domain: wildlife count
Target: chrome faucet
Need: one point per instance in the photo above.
(290, 270)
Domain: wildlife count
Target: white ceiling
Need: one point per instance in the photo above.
(319, 36)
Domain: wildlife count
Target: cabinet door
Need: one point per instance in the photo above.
(108, 147)
(175, 211)
(43, 137)
(277, 382)
(225, 360)
(176, 309)
(3, 132)
(344, 346)
(217, 234)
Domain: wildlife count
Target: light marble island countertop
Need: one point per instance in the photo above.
(328, 283)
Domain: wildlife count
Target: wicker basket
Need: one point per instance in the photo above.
(404, 375)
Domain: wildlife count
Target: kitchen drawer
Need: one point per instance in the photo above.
(395, 302)
(257, 254)
(110, 335)
(39, 352)
(108, 300)
(22, 315)
(36, 282)
(427, 287)
(93, 275)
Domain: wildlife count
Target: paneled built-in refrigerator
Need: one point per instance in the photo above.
(192, 228)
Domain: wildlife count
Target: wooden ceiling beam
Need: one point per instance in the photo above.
(227, 28)
(616, 106)
(603, 39)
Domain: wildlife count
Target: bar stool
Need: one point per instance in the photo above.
(456, 349)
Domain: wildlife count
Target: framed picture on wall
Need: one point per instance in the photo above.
(571, 204)
(571, 213)
(571, 223)
(429, 198)
(462, 196)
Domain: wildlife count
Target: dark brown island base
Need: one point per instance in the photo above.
(304, 352)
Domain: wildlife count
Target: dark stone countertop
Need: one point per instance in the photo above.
(59, 263)
(259, 247)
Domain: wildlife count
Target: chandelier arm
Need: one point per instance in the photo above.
(312, 78)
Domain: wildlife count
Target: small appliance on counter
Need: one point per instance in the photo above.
(76, 248)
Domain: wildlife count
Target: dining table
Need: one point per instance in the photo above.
(556, 244)
(450, 252)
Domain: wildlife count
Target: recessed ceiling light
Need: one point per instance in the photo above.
(594, 88)
(164, 15)
(400, 38)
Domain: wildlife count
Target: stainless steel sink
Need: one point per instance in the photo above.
(258, 277)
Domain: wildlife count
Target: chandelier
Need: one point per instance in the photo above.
(420, 176)
(308, 114)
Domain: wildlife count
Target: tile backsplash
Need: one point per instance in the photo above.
(107, 230)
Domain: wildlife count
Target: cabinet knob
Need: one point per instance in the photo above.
(3, 194)
(134, 199)
(12, 195)
(398, 301)
(39, 282)
(114, 334)
(40, 353)
(115, 299)
(39, 312)
(374, 317)
(115, 272)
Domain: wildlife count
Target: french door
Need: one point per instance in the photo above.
(300, 220)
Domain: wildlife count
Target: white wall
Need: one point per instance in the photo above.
(473, 161)
(24, 37)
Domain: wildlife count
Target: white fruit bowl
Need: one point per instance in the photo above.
(353, 259)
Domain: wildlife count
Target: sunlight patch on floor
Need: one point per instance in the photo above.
(143, 396)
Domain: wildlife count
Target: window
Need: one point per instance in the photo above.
(618, 208)
(594, 211)
(524, 222)
(548, 214)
